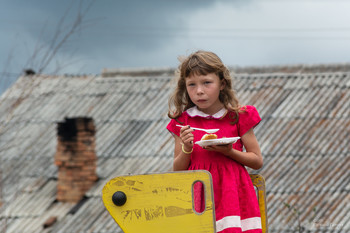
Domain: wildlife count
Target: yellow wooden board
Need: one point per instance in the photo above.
(161, 203)
(259, 182)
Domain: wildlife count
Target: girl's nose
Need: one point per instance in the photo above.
(199, 90)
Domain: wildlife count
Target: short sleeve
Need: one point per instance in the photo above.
(248, 118)
(173, 128)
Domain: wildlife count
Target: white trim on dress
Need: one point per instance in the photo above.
(235, 221)
(194, 111)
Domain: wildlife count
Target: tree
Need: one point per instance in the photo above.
(41, 58)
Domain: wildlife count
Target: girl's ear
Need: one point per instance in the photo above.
(223, 84)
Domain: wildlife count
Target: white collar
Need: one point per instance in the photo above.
(194, 111)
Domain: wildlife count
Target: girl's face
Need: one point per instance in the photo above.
(204, 92)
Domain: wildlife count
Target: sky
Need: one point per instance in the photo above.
(154, 33)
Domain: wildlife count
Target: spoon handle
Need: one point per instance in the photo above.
(205, 130)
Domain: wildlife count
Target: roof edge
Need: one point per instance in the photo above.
(296, 68)
(136, 72)
(301, 68)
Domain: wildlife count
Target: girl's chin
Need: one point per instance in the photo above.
(202, 107)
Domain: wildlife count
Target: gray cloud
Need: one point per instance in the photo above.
(153, 33)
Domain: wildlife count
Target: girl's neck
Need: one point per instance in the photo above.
(211, 111)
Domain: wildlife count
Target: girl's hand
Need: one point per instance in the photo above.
(251, 157)
(187, 137)
(183, 149)
(224, 149)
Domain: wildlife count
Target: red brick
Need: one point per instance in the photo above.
(76, 160)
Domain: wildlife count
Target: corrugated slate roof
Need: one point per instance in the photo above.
(304, 137)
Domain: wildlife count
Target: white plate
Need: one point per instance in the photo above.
(218, 141)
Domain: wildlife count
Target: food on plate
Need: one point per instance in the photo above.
(209, 136)
(218, 141)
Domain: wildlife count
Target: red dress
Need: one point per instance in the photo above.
(236, 205)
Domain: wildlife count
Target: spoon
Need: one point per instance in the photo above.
(205, 130)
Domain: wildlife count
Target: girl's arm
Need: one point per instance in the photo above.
(251, 158)
(182, 159)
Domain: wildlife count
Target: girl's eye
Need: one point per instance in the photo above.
(190, 84)
(207, 82)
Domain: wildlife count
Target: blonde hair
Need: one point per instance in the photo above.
(202, 63)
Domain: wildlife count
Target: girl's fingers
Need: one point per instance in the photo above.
(186, 133)
(188, 140)
(186, 129)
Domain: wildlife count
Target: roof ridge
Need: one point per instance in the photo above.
(136, 71)
(297, 68)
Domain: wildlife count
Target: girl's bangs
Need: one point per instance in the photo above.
(198, 70)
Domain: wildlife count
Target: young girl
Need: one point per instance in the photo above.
(204, 98)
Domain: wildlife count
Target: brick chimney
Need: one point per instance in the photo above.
(75, 158)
